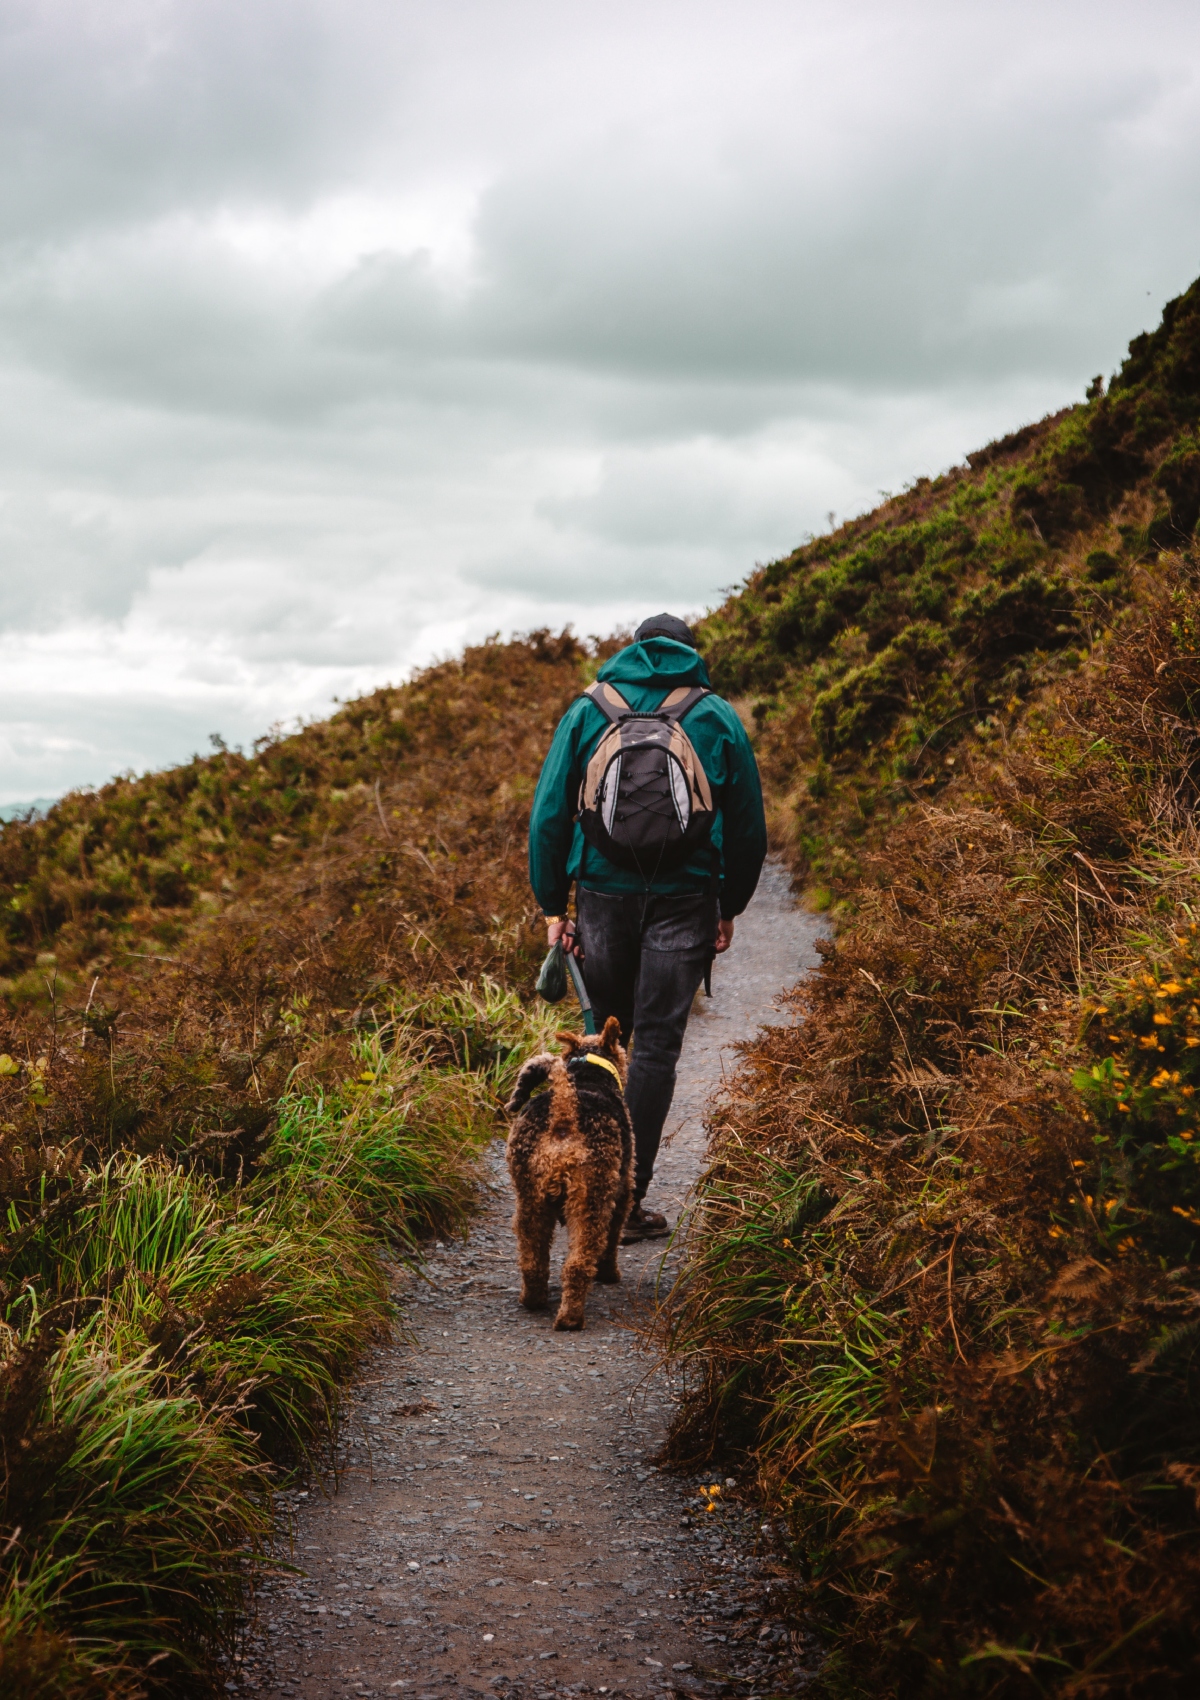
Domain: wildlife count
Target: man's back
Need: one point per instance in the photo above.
(644, 673)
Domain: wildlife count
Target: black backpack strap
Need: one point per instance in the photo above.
(677, 702)
(609, 701)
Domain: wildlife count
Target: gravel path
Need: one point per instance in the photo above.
(499, 1528)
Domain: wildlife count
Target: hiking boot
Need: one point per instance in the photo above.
(643, 1224)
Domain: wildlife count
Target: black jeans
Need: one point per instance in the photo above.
(644, 958)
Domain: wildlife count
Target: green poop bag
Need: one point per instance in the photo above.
(552, 981)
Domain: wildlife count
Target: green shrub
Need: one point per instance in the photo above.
(996, 622)
(1178, 477)
(861, 707)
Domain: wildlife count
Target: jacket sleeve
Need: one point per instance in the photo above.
(744, 824)
(552, 821)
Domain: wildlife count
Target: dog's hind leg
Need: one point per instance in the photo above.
(588, 1213)
(607, 1270)
(533, 1225)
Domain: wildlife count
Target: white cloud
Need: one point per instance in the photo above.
(332, 336)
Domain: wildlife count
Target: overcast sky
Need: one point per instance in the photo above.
(336, 333)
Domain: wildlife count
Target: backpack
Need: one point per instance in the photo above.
(645, 801)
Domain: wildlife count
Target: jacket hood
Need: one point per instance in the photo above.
(657, 660)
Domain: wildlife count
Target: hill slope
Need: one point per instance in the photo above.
(942, 1296)
(252, 1027)
(875, 653)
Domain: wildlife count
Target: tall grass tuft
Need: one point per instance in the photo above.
(134, 1509)
(401, 1136)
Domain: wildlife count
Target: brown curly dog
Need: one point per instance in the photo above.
(570, 1155)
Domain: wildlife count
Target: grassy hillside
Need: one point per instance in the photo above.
(875, 654)
(942, 1293)
(253, 1026)
(941, 1297)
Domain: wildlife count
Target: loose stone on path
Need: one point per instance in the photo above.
(499, 1527)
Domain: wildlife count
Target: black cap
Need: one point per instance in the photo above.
(665, 625)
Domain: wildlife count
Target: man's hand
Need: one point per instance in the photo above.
(563, 932)
(724, 936)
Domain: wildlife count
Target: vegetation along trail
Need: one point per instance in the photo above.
(499, 1525)
(939, 1306)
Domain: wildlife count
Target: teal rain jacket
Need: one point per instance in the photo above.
(644, 673)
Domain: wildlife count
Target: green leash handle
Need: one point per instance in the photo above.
(585, 1003)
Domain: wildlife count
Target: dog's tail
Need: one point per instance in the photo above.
(533, 1074)
(546, 1070)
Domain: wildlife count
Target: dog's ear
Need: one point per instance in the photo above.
(570, 1042)
(610, 1039)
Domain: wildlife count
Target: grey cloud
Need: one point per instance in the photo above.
(564, 581)
(114, 115)
(71, 740)
(690, 495)
(333, 335)
(976, 240)
(617, 264)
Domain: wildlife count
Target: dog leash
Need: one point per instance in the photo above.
(585, 1003)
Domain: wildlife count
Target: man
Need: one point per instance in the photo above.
(646, 936)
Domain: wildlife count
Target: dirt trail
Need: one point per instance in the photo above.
(498, 1528)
